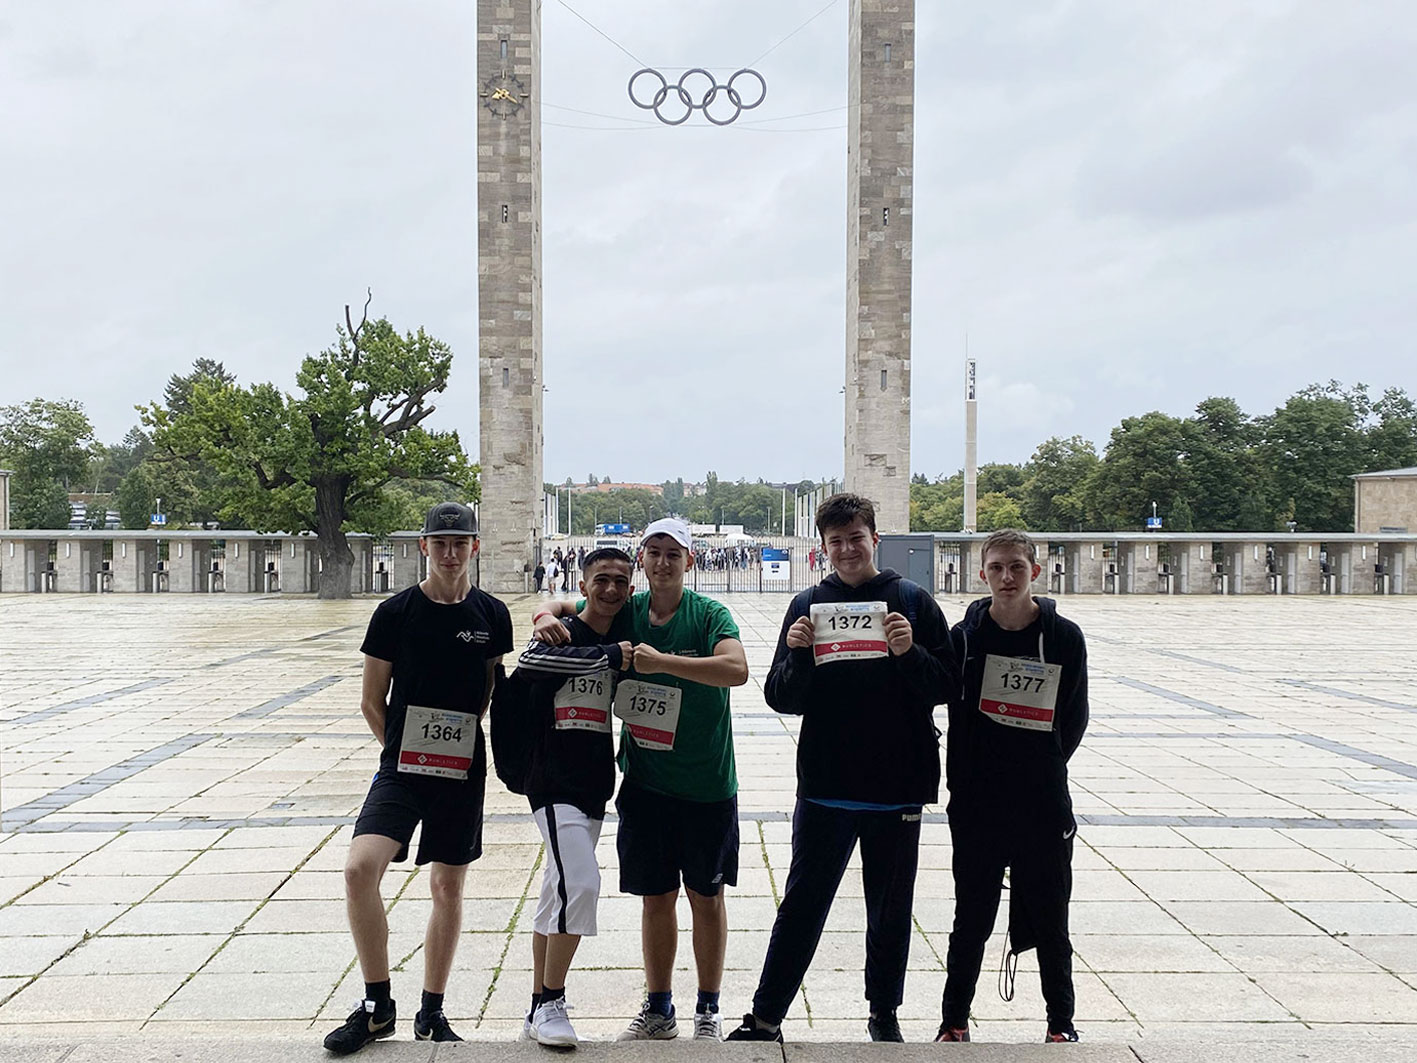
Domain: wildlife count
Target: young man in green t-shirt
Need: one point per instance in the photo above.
(678, 804)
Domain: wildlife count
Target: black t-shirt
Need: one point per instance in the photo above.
(439, 653)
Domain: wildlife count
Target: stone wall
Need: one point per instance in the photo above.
(1385, 504)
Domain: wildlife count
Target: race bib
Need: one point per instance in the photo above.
(583, 702)
(1019, 693)
(848, 631)
(650, 712)
(438, 742)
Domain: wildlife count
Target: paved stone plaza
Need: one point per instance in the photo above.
(180, 775)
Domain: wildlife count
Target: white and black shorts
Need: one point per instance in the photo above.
(570, 885)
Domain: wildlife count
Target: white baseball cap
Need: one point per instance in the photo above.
(673, 527)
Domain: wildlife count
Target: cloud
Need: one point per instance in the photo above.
(1123, 206)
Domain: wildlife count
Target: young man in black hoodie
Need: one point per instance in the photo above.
(1015, 719)
(571, 777)
(863, 658)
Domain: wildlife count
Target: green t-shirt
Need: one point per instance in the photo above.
(700, 767)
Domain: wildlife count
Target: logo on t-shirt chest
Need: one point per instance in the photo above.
(475, 637)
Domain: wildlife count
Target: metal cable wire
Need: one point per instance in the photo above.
(600, 31)
(830, 4)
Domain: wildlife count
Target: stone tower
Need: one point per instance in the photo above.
(509, 287)
(880, 159)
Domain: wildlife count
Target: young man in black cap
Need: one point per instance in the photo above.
(1016, 719)
(863, 658)
(429, 655)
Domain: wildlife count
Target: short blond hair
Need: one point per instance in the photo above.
(1008, 539)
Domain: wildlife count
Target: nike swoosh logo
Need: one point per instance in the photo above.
(375, 1027)
(1069, 833)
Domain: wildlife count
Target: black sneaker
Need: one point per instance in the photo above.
(751, 1031)
(884, 1027)
(364, 1024)
(433, 1027)
(1060, 1038)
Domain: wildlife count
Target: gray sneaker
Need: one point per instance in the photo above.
(649, 1026)
(550, 1025)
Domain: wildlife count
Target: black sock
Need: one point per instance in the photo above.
(432, 1004)
(707, 1002)
(548, 995)
(535, 1003)
(378, 992)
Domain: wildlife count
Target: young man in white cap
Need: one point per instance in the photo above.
(678, 804)
(429, 656)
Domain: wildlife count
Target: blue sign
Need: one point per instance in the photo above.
(1153, 523)
(159, 518)
(614, 529)
(773, 554)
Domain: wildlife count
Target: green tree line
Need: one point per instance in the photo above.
(347, 452)
(758, 507)
(1217, 470)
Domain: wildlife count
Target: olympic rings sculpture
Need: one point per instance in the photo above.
(687, 93)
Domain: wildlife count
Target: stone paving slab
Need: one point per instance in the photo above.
(176, 802)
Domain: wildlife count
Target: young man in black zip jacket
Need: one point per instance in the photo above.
(1015, 720)
(863, 658)
(571, 777)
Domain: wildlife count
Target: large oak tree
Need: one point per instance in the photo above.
(320, 460)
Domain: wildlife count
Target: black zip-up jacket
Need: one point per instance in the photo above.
(570, 767)
(868, 732)
(998, 773)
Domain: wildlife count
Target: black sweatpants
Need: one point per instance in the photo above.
(1041, 885)
(823, 839)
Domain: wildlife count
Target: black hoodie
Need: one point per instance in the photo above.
(868, 732)
(572, 767)
(1007, 774)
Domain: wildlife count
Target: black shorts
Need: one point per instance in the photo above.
(450, 811)
(661, 839)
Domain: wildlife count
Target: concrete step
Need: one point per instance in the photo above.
(1319, 1048)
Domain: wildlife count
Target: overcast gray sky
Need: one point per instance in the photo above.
(1127, 206)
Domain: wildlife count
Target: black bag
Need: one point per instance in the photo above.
(513, 729)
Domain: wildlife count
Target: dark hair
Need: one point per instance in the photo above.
(840, 510)
(606, 553)
(1008, 539)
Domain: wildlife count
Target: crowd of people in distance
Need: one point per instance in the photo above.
(863, 658)
(559, 570)
(722, 558)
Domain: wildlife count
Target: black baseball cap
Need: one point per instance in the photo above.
(450, 518)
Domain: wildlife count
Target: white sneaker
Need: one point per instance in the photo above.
(550, 1025)
(707, 1026)
(649, 1026)
(527, 1034)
